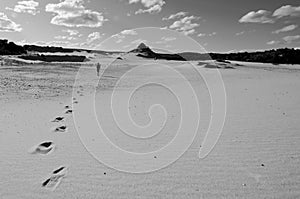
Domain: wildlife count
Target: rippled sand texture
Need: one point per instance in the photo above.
(257, 156)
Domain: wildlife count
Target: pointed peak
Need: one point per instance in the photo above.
(142, 46)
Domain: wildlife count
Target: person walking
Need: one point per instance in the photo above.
(98, 69)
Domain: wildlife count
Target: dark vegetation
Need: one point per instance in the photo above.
(50, 49)
(192, 56)
(53, 49)
(10, 48)
(54, 58)
(278, 56)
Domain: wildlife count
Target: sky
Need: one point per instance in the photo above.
(215, 25)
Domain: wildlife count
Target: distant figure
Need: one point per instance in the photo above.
(98, 69)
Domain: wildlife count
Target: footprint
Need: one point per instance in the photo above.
(43, 148)
(59, 170)
(58, 119)
(67, 107)
(61, 129)
(69, 111)
(55, 178)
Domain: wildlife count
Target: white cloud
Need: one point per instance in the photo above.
(168, 38)
(286, 11)
(138, 41)
(201, 35)
(71, 35)
(185, 25)
(71, 32)
(165, 40)
(94, 36)
(151, 10)
(61, 37)
(175, 16)
(7, 25)
(92, 40)
(189, 32)
(240, 33)
(152, 6)
(121, 36)
(21, 42)
(133, 1)
(261, 16)
(286, 29)
(25, 7)
(212, 34)
(51, 43)
(129, 32)
(273, 42)
(291, 39)
(72, 13)
(204, 34)
(264, 16)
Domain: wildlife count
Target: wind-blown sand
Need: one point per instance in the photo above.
(257, 155)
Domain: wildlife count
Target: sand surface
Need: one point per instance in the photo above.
(257, 155)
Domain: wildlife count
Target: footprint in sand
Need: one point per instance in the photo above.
(62, 128)
(58, 119)
(55, 178)
(67, 107)
(43, 148)
(68, 111)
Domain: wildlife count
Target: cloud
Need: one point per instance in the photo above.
(264, 16)
(21, 42)
(273, 42)
(94, 36)
(152, 6)
(61, 37)
(121, 36)
(261, 16)
(201, 35)
(7, 25)
(129, 32)
(189, 32)
(71, 32)
(285, 29)
(165, 40)
(25, 7)
(51, 43)
(168, 38)
(204, 34)
(175, 16)
(72, 13)
(291, 39)
(138, 41)
(287, 11)
(240, 33)
(185, 25)
(72, 35)
(244, 32)
(91, 40)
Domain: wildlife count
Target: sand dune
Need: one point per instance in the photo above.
(257, 155)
